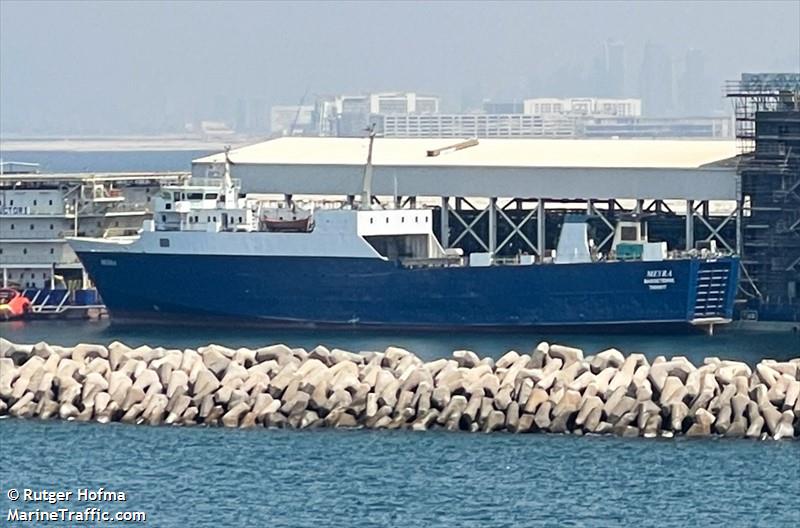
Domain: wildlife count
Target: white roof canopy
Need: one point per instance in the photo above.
(531, 168)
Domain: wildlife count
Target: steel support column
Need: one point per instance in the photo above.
(540, 227)
(445, 222)
(492, 225)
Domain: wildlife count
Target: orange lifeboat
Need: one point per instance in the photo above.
(13, 304)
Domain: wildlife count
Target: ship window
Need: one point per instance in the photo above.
(163, 218)
(211, 196)
(195, 196)
(163, 242)
(12, 227)
(11, 202)
(116, 223)
(628, 234)
(240, 219)
(402, 219)
(215, 218)
(371, 220)
(168, 206)
(51, 227)
(50, 202)
(426, 219)
(24, 251)
(52, 251)
(31, 227)
(387, 219)
(416, 219)
(34, 202)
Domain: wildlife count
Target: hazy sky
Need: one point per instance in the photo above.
(123, 67)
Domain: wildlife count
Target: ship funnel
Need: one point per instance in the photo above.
(573, 244)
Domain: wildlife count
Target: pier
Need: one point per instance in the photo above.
(549, 389)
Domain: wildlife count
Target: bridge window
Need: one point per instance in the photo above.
(163, 242)
(628, 234)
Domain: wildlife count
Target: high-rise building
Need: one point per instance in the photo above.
(291, 120)
(614, 68)
(694, 96)
(655, 82)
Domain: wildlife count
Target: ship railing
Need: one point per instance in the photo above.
(202, 182)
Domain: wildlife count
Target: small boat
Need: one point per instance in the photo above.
(287, 219)
(13, 305)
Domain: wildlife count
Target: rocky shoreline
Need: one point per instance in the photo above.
(551, 389)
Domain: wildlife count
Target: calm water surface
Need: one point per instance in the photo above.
(213, 477)
(727, 343)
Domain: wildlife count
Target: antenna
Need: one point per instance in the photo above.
(366, 189)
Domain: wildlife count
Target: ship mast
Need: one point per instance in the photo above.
(366, 189)
(228, 189)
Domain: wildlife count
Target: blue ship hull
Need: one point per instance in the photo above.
(367, 292)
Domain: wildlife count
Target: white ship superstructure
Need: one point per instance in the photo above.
(39, 210)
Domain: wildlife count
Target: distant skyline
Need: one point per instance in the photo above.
(70, 68)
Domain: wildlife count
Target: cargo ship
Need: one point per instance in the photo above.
(211, 254)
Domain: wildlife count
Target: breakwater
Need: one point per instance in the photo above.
(551, 389)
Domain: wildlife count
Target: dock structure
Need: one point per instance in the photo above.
(40, 209)
(507, 196)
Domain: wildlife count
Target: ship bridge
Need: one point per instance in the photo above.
(511, 195)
